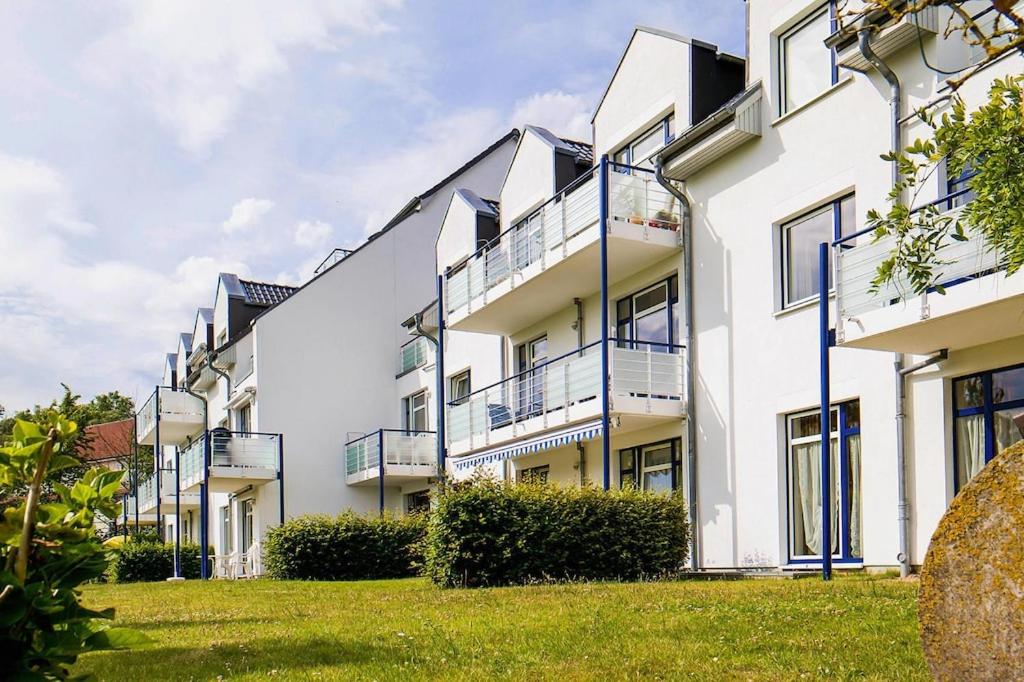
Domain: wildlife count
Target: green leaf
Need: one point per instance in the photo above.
(117, 638)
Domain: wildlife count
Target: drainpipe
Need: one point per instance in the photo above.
(686, 228)
(210, 357)
(895, 144)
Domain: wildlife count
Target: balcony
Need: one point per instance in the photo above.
(407, 455)
(981, 304)
(647, 386)
(132, 511)
(413, 355)
(509, 283)
(236, 460)
(148, 494)
(176, 414)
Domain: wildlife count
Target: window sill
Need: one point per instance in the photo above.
(811, 102)
(802, 305)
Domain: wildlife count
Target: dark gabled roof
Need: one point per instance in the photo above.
(206, 314)
(264, 293)
(186, 341)
(584, 151)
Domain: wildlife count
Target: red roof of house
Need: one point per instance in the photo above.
(107, 441)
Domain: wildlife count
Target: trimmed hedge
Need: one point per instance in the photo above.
(142, 560)
(483, 532)
(345, 547)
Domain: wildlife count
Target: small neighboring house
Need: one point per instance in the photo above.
(110, 444)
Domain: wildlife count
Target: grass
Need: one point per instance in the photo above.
(852, 628)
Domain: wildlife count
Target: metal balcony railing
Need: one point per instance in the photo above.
(413, 354)
(858, 256)
(400, 448)
(230, 449)
(333, 257)
(553, 392)
(174, 403)
(634, 197)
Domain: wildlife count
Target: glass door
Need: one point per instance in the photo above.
(530, 389)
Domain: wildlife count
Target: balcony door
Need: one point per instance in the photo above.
(650, 317)
(414, 412)
(248, 526)
(530, 359)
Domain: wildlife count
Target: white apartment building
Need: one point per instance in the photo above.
(791, 160)
(285, 401)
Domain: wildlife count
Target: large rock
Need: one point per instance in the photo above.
(972, 584)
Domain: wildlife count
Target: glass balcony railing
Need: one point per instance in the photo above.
(400, 448)
(414, 354)
(634, 197)
(564, 389)
(182, 412)
(230, 450)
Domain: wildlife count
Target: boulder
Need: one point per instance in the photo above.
(971, 608)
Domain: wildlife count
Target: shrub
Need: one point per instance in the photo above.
(142, 560)
(483, 532)
(345, 547)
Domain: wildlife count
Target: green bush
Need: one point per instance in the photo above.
(345, 547)
(142, 560)
(483, 532)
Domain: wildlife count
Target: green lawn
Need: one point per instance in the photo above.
(853, 628)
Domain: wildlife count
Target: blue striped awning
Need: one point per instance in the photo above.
(556, 439)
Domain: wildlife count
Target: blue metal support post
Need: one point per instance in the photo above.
(603, 228)
(280, 476)
(439, 371)
(825, 341)
(135, 482)
(204, 511)
(380, 470)
(177, 511)
(158, 463)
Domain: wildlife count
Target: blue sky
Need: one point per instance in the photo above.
(147, 145)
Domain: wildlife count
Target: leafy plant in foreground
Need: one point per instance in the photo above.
(48, 548)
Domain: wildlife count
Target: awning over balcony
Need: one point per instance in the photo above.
(547, 441)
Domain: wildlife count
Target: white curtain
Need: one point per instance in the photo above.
(807, 499)
(853, 448)
(970, 446)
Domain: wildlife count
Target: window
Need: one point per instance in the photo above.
(225, 530)
(459, 386)
(800, 240)
(638, 151)
(243, 419)
(414, 412)
(248, 534)
(530, 359)
(806, 67)
(656, 467)
(958, 187)
(222, 338)
(418, 501)
(535, 474)
(803, 435)
(651, 315)
(988, 414)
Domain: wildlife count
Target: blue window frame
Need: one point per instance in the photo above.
(800, 239)
(650, 315)
(803, 473)
(638, 150)
(988, 417)
(958, 188)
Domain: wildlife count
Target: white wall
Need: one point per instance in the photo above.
(531, 178)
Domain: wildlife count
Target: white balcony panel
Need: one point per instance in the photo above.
(182, 416)
(505, 286)
(236, 460)
(981, 304)
(646, 384)
(407, 456)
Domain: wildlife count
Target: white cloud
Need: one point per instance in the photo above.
(246, 214)
(564, 114)
(100, 324)
(193, 61)
(312, 234)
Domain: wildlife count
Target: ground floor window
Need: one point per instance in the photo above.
(657, 466)
(988, 417)
(535, 474)
(247, 523)
(803, 435)
(418, 501)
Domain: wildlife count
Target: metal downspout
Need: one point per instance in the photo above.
(686, 228)
(895, 145)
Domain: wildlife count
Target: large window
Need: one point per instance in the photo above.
(650, 315)
(803, 435)
(988, 418)
(657, 467)
(414, 412)
(806, 67)
(639, 150)
(800, 240)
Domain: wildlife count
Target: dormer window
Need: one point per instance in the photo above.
(806, 66)
(638, 151)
